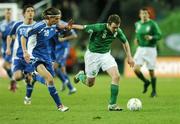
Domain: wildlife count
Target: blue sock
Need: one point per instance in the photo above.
(9, 72)
(38, 78)
(54, 95)
(69, 85)
(60, 75)
(29, 89)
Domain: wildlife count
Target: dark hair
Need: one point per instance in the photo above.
(114, 18)
(51, 11)
(144, 9)
(27, 6)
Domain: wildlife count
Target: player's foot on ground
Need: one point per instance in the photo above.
(13, 86)
(153, 94)
(76, 78)
(63, 108)
(27, 101)
(72, 91)
(114, 107)
(146, 85)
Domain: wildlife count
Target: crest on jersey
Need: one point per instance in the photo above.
(46, 33)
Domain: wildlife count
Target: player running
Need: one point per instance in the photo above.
(147, 35)
(98, 55)
(5, 27)
(37, 50)
(61, 53)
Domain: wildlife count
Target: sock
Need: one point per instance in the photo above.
(60, 75)
(29, 89)
(141, 76)
(38, 78)
(82, 78)
(54, 95)
(153, 82)
(9, 72)
(69, 85)
(114, 93)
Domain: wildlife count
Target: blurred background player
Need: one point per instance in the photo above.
(147, 34)
(5, 27)
(98, 55)
(38, 50)
(62, 47)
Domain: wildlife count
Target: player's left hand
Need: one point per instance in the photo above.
(130, 61)
(148, 37)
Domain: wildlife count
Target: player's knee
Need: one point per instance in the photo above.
(17, 77)
(137, 68)
(49, 79)
(91, 82)
(116, 78)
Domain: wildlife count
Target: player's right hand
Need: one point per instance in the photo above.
(8, 51)
(26, 57)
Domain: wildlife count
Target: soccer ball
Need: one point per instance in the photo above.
(134, 104)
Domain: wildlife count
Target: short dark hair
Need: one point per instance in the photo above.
(27, 6)
(114, 18)
(51, 11)
(144, 9)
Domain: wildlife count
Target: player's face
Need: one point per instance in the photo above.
(8, 14)
(54, 20)
(144, 15)
(29, 13)
(113, 27)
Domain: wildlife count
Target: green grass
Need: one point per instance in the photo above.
(89, 105)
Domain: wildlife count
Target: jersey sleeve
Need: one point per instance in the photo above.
(36, 28)
(93, 28)
(156, 31)
(14, 28)
(121, 36)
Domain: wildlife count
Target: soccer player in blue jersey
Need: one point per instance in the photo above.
(5, 27)
(21, 69)
(38, 50)
(61, 53)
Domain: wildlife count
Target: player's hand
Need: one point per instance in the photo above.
(26, 56)
(148, 37)
(8, 51)
(69, 25)
(130, 61)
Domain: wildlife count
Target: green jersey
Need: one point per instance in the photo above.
(147, 28)
(101, 37)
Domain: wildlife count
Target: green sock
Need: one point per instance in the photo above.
(82, 78)
(114, 93)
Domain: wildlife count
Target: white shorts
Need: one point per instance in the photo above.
(95, 61)
(146, 55)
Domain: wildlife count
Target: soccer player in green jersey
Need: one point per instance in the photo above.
(147, 35)
(98, 55)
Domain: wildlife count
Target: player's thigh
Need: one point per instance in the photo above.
(138, 57)
(151, 59)
(92, 64)
(107, 61)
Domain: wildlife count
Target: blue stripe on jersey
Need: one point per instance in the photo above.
(20, 30)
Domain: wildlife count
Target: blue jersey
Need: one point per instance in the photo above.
(5, 28)
(19, 29)
(38, 44)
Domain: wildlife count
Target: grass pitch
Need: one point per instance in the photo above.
(89, 105)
